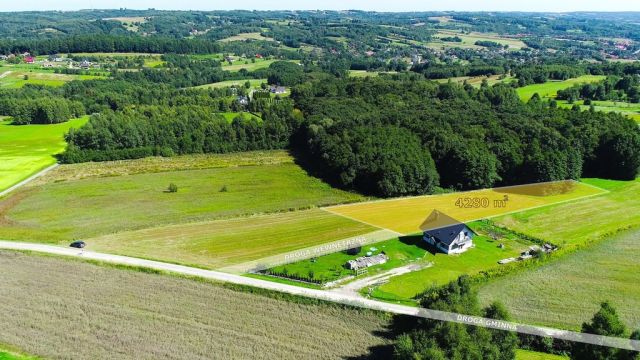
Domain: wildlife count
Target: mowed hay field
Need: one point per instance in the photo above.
(27, 149)
(585, 220)
(222, 243)
(58, 308)
(567, 292)
(549, 89)
(405, 215)
(59, 210)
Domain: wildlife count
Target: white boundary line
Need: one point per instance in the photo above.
(346, 299)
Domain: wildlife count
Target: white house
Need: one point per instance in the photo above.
(452, 239)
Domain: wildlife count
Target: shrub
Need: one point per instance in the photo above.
(172, 188)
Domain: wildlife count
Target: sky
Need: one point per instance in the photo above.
(376, 5)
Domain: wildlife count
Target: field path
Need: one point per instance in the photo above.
(353, 287)
(28, 180)
(5, 74)
(346, 299)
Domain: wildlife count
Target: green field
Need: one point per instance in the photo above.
(585, 220)
(27, 149)
(331, 267)
(255, 83)
(446, 268)
(469, 40)
(247, 64)
(533, 355)
(96, 206)
(68, 309)
(247, 36)
(7, 354)
(13, 76)
(230, 116)
(216, 244)
(567, 292)
(628, 109)
(549, 89)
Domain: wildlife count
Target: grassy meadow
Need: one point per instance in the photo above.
(567, 292)
(255, 83)
(469, 40)
(61, 308)
(101, 205)
(533, 355)
(216, 244)
(14, 77)
(585, 220)
(27, 149)
(549, 89)
(624, 108)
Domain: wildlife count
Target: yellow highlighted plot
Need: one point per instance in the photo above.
(406, 215)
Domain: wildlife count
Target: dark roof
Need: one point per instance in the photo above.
(447, 234)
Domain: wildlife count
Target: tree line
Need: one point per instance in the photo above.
(395, 136)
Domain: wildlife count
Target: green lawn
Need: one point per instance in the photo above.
(330, 267)
(27, 149)
(80, 208)
(484, 255)
(549, 89)
(248, 64)
(221, 243)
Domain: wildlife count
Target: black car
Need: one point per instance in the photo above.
(78, 244)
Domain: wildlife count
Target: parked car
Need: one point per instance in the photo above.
(78, 244)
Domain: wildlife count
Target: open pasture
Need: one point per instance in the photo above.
(469, 40)
(96, 206)
(255, 83)
(27, 149)
(222, 243)
(585, 220)
(246, 36)
(406, 215)
(17, 77)
(567, 292)
(549, 89)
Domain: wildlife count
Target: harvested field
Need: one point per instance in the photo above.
(58, 308)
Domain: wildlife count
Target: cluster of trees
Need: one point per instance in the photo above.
(626, 88)
(38, 105)
(109, 43)
(162, 130)
(542, 73)
(445, 71)
(476, 137)
(433, 339)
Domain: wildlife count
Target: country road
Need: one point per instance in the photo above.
(5, 74)
(347, 299)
